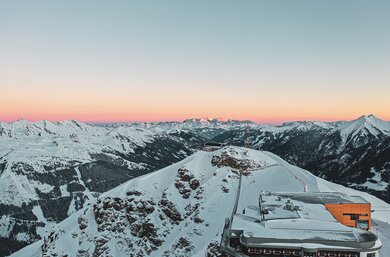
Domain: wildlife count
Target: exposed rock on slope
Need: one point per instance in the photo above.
(148, 216)
(50, 170)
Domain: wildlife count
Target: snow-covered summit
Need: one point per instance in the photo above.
(195, 124)
(60, 164)
(180, 210)
(23, 128)
(365, 125)
(306, 125)
(217, 122)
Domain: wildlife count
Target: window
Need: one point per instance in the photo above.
(370, 254)
(308, 254)
(362, 224)
(360, 214)
(355, 216)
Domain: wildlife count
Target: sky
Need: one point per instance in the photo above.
(268, 61)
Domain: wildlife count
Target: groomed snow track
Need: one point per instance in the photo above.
(224, 245)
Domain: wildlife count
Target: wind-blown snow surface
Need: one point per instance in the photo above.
(353, 153)
(49, 170)
(180, 210)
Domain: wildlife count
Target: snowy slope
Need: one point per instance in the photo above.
(36, 148)
(361, 130)
(354, 153)
(49, 170)
(180, 210)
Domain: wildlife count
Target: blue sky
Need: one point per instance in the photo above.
(238, 59)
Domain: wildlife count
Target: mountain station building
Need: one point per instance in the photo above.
(302, 224)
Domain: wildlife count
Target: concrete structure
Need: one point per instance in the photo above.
(351, 211)
(301, 224)
(212, 146)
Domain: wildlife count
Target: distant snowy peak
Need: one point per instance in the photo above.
(365, 126)
(206, 127)
(22, 128)
(217, 122)
(203, 120)
(212, 123)
(67, 128)
(203, 126)
(305, 125)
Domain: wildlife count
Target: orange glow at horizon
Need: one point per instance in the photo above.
(258, 61)
(134, 112)
(148, 102)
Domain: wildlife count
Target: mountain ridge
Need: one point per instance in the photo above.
(49, 170)
(358, 124)
(161, 214)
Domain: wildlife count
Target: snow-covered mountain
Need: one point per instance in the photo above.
(364, 129)
(49, 170)
(207, 128)
(180, 210)
(354, 153)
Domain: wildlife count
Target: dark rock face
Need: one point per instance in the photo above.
(213, 250)
(170, 210)
(2, 167)
(182, 247)
(185, 182)
(114, 215)
(108, 210)
(225, 160)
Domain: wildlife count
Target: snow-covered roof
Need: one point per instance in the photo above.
(299, 218)
(322, 197)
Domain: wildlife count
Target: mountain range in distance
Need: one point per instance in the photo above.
(51, 170)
